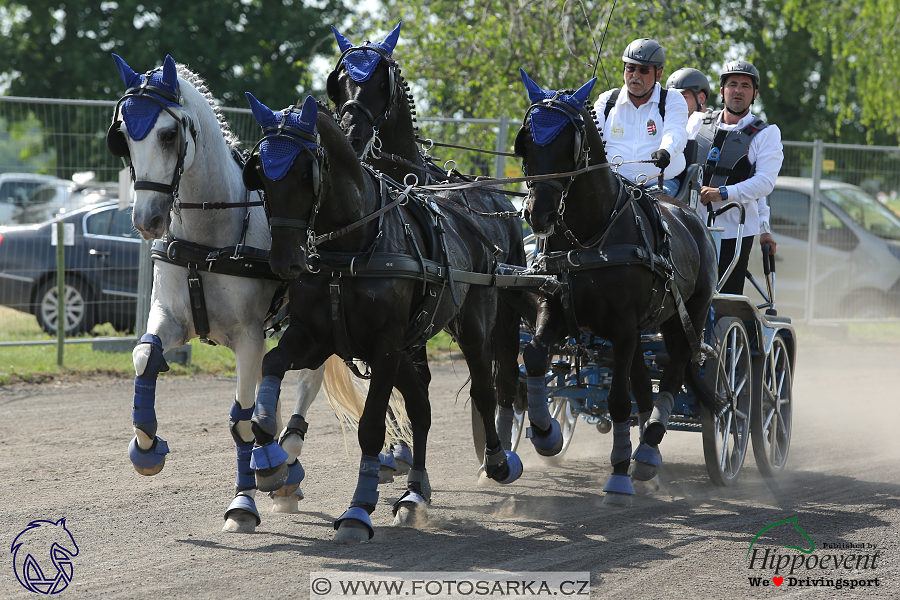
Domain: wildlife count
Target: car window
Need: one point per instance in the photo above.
(866, 211)
(121, 224)
(789, 213)
(43, 196)
(98, 223)
(17, 192)
(834, 233)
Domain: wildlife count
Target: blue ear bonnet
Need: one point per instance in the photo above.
(279, 147)
(140, 114)
(360, 64)
(546, 123)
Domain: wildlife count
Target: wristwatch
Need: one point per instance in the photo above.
(724, 191)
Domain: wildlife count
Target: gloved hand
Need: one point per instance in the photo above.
(661, 159)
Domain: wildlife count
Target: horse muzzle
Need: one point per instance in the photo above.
(152, 216)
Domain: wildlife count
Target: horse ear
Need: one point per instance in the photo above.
(309, 113)
(584, 92)
(170, 73)
(390, 42)
(535, 93)
(262, 113)
(343, 43)
(331, 86)
(250, 175)
(128, 76)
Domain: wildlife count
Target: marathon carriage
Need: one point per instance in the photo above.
(752, 366)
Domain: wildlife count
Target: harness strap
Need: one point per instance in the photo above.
(245, 261)
(198, 305)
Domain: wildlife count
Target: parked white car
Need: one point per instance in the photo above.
(16, 188)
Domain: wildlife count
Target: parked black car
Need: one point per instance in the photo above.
(101, 270)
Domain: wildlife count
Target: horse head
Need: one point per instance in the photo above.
(365, 86)
(153, 128)
(291, 167)
(551, 140)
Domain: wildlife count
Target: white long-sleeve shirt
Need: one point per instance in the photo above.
(636, 132)
(766, 152)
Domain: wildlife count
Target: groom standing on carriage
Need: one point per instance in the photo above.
(641, 120)
(743, 157)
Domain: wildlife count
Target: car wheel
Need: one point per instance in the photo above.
(78, 313)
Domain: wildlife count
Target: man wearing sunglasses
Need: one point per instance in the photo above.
(641, 121)
(742, 155)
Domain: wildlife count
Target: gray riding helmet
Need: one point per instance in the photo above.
(739, 67)
(687, 79)
(645, 52)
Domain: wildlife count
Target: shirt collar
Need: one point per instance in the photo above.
(624, 98)
(745, 120)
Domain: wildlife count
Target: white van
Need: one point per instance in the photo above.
(857, 255)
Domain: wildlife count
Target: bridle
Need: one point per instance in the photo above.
(115, 139)
(319, 166)
(394, 78)
(580, 153)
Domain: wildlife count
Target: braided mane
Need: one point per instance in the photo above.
(200, 85)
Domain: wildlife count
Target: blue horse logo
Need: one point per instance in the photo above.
(42, 556)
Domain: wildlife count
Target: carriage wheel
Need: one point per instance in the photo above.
(561, 410)
(726, 436)
(772, 415)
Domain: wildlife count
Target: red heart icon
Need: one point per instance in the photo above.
(778, 581)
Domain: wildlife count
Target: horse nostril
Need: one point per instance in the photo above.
(295, 271)
(156, 223)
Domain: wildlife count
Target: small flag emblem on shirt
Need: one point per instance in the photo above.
(651, 127)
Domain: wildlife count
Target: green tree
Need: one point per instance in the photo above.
(860, 39)
(61, 48)
(466, 54)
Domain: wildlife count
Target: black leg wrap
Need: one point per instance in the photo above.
(297, 425)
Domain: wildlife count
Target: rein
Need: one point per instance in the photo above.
(494, 152)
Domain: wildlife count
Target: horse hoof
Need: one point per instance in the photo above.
(552, 444)
(285, 504)
(288, 491)
(617, 499)
(240, 521)
(641, 471)
(351, 531)
(646, 488)
(385, 475)
(411, 514)
(150, 471)
(270, 480)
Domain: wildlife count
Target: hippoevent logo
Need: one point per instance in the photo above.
(42, 556)
(833, 565)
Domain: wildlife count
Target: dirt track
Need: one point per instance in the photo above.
(64, 449)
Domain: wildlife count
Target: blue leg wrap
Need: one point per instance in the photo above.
(621, 443)
(620, 484)
(244, 503)
(366, 494)
(143, 414)
(408, 497)
(147, 459)
(265, 419)
(246, 478)
(646, 453)
(358, 514)
(295, 473)
(550, 445)
(538, 412)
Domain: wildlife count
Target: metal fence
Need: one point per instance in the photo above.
(849, 272)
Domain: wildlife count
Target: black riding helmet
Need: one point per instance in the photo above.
(739, 67)
(687, 79)
(645, 52)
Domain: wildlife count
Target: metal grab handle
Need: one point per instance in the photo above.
(768, 259)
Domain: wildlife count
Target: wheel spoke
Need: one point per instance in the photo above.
(725, 437)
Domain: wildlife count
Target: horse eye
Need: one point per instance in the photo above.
(168, 137)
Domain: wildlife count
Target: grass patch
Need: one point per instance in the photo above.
(37, 364)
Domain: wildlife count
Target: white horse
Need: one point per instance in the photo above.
(182, 155)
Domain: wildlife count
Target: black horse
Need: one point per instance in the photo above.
(392, 272)
(631, 264)
(373, 102)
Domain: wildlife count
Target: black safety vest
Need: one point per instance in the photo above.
(725, 152)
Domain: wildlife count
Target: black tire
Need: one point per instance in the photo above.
(79, 312)
(730, 375)
(773, 411)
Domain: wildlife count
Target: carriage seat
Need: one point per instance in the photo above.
(691, 179)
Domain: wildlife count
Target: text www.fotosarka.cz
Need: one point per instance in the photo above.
(439, 585)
